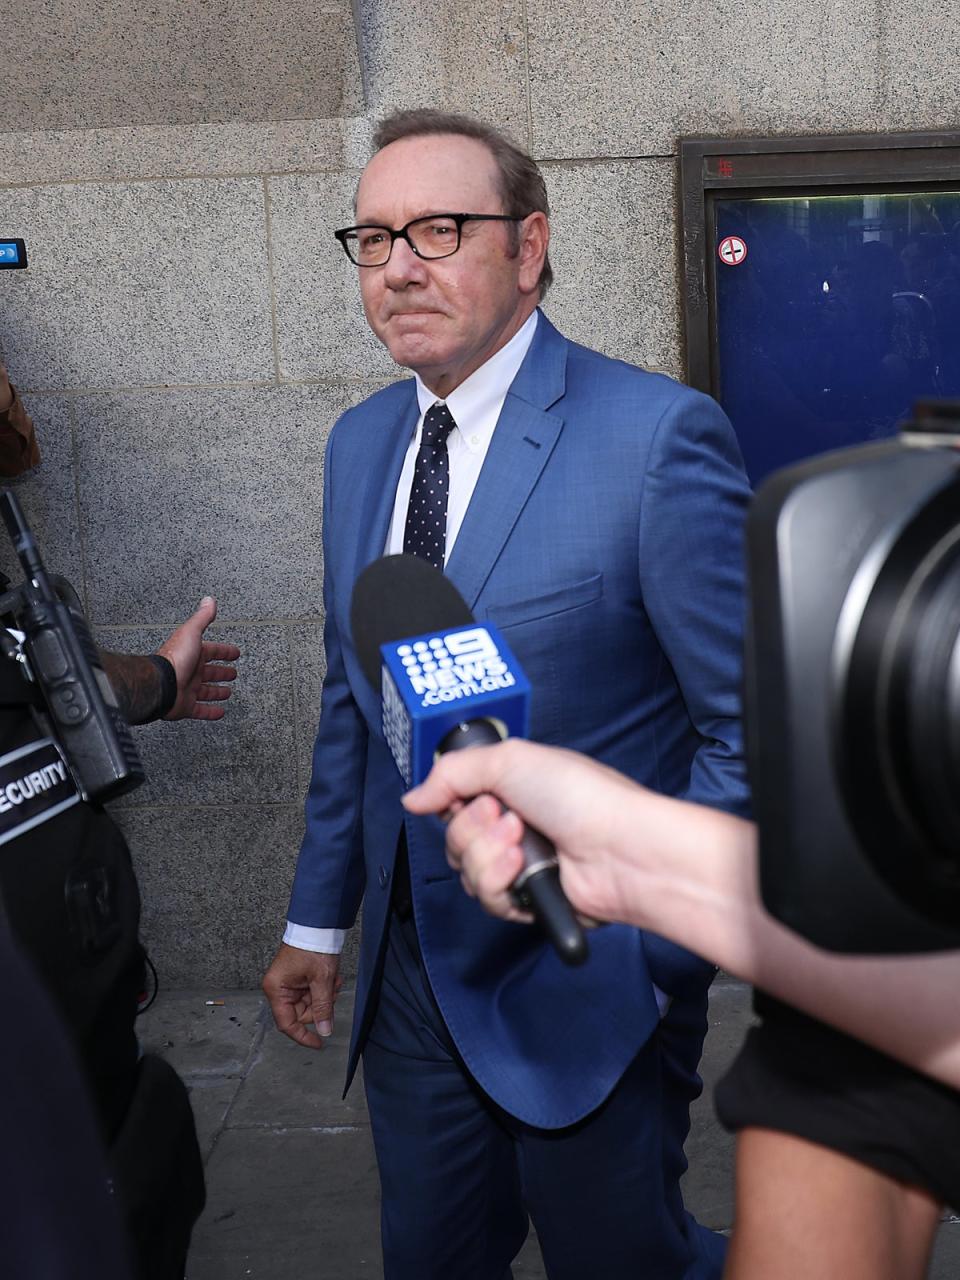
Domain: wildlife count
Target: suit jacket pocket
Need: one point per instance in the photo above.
(536, 608)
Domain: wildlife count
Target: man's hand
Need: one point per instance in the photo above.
(605, 828)
(198, 666)
(302, 987)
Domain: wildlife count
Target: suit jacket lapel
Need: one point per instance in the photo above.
(385, 462)
(525, 436)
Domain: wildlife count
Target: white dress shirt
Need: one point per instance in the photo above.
(475, 406)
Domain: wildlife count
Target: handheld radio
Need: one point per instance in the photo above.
(60, 656)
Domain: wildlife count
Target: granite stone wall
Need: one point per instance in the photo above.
(188, 330)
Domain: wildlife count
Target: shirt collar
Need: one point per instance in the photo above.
(476, 403)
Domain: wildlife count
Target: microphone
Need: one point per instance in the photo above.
(447, 683)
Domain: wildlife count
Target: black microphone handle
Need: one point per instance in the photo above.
(537, 888)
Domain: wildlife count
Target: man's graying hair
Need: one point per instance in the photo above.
(522, 188)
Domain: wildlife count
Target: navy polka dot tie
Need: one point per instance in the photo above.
(425, 533)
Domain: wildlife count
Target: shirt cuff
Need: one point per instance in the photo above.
(329, 941)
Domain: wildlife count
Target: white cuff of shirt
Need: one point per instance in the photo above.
(329, 941)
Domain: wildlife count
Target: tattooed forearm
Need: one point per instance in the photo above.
(137, 684)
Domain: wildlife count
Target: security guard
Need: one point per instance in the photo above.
(71, 903)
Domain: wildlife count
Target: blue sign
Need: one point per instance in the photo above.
(13, 254)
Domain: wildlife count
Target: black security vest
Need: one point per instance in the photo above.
(71, 900)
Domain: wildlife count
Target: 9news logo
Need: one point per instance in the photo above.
(457, 664)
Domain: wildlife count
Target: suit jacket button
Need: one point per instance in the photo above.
(384, 877)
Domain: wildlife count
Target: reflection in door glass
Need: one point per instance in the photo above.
(840, 313)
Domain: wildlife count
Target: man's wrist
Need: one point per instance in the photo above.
(308, 938)
(137, 683)
(168, 683)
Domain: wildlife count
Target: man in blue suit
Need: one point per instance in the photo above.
(593, 512)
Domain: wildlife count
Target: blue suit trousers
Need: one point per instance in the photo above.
(460, 1177)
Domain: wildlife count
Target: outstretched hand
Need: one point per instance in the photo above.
(200, 666)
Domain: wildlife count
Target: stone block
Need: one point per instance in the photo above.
(215, 150)
(206, 491)
(138, 284)
(204, 1041)
(323, 1196)
(630, 80)
(79, 64)
(210, 1100)
(321, 330)
(919, 88)
(614, 254)
(48, 493)
(473, 60)
(214, 883)
(210, 1046)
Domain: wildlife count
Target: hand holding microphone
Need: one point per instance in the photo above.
(586, 809)
(448, 683)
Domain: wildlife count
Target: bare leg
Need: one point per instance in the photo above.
(804, 1212)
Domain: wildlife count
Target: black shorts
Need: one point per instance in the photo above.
(798, 1076)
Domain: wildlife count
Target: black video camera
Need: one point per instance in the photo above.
(853, 691)
(59, 655)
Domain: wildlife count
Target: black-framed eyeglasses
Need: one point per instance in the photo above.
(436, 236)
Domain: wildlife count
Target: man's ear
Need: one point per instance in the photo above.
(534, 239)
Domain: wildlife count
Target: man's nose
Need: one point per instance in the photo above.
(403, 266)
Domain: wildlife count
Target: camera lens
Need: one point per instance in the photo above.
(926, 707)
(898, 739)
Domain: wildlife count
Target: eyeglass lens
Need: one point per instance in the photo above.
(430, 237)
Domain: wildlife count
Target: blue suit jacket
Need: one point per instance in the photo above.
(604, 539)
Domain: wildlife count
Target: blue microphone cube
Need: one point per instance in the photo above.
(433, 682)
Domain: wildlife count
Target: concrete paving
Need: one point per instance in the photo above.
(291, 1175)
